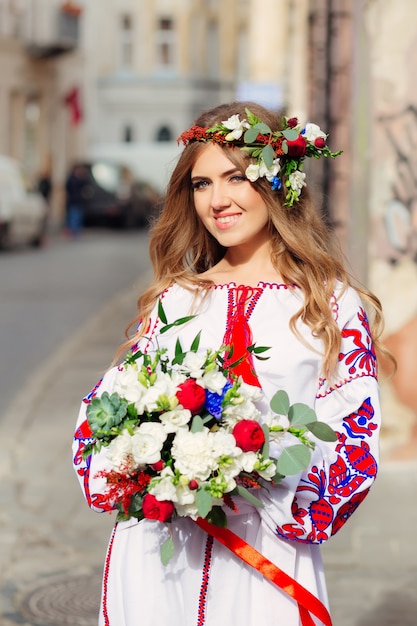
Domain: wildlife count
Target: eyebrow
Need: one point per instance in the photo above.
(223, 174)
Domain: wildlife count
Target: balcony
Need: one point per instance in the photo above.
(51, 28)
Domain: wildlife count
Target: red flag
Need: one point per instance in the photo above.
(72, 100)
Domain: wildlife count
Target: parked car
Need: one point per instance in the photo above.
(23, 214)
(113, 197)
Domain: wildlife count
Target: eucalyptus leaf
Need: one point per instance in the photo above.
(277, 477)
(203, 500)
(268, 155)
(322, 431)
(290, 134)
(245, 493)
(280, 402)
(250, 135)
(293, 460)
(265, 447)
(167, 550)
(263, 128)
(301, 414)
(197, 425)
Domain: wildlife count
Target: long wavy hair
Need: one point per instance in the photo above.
(303, 248)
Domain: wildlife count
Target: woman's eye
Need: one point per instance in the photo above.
(238, 178)
(199, 184)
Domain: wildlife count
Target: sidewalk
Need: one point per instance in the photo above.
(52, 546)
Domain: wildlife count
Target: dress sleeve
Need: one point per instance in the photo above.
(314, 505)
(88, 469)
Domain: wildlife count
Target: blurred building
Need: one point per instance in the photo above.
(123, 78)
(39, 67)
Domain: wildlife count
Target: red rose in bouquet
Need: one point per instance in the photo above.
(249, 435)
(161, 510)
(191, 396)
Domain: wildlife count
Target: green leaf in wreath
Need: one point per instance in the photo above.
(290, 134)
(250, 135)
(293, 460)
(203, 500)
(322, 431)
(167, 550)
(301, 414)
(280, 403)
(268, 155)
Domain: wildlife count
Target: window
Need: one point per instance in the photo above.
(164, 134)
(213, 50)
(165, 43)
(127, 134)
(126, 41)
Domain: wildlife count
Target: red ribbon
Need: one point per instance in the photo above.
(307, 602)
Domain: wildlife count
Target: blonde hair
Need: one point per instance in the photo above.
(303, 249)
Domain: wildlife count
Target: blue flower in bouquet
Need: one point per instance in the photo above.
(214, 401)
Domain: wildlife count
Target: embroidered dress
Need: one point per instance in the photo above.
(205, 584)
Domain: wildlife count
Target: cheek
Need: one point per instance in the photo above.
(200, 206)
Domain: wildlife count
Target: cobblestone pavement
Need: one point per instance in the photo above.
(52, 546)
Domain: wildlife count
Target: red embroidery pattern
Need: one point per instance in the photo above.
(358, 359)
(338, 490)
(202, 600)
(106, 576)
(241, 303)
(362, 357)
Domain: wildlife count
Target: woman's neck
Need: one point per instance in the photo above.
(244, 269)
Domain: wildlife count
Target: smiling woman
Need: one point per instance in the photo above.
(247, 289)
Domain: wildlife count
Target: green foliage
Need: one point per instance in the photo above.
(280, 403)
(203, 500)
(302, 419)
(293, 459)
(106, 412)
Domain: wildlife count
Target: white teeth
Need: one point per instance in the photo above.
(226, 219)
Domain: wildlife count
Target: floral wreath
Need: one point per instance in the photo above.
(279, 154)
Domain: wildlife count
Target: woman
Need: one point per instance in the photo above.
(239, 246)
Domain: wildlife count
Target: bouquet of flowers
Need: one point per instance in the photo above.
(183, 436)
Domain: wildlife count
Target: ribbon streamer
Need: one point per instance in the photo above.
(307, 602)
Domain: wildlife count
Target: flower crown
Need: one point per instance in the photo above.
(279, 154)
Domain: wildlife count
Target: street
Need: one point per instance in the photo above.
(47, 294)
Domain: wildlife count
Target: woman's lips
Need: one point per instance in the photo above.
(223, 222)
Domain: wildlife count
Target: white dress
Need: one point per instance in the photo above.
(204, 584)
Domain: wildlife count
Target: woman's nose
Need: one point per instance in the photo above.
(219, 197)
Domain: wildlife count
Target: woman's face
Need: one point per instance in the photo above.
(226, 202)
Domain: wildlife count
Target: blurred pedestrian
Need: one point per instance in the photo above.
(76, 188)
(241, 260)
